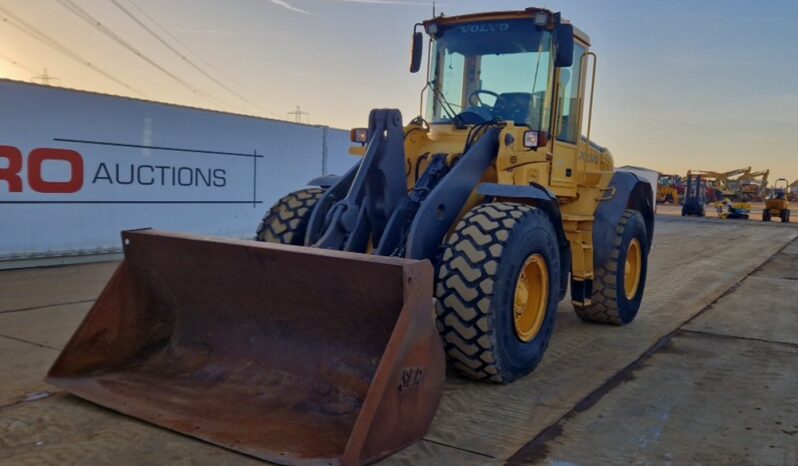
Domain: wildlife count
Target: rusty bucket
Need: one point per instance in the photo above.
(289, 354)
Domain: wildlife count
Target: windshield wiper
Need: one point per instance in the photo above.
(445, 105)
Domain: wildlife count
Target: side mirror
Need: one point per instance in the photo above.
(565, 46)
(416, 51)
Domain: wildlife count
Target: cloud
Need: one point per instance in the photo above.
(288, 6)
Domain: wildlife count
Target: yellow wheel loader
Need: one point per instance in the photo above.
(668, 189)
(455, 236)
(777, 205)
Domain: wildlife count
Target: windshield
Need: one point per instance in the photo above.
(491, 71)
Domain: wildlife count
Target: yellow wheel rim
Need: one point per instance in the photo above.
(531, 297)
(634, 264)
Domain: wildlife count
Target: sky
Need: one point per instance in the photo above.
(680, 84)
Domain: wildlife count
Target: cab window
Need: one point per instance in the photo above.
(570, 100)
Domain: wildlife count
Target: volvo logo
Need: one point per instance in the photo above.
(490, 27)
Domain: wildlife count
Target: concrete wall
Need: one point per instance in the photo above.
(78, 167)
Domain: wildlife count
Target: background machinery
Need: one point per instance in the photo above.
(669, 189)
(752, 186)
(719, 184)
(323, 348)
(792, 191)
(733, 210)
(695, 196)
(777, 205)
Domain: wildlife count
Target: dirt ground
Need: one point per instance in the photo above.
(711, 212)
(707, 374)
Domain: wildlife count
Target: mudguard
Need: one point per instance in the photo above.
(326, 181)
(628, 192)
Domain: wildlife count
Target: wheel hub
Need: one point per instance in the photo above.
(632, 269)
(531, 297)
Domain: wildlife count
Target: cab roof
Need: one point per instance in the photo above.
(528, 13)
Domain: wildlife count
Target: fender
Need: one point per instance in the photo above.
(542, 197)
(326, 181)
(547, 202)
(630, 192)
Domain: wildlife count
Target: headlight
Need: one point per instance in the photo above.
(534, 139)
(360, 135)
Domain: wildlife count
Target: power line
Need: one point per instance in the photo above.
(93, 22)
(190, 51)
(19, 65)
(57, 46)
(179, 53)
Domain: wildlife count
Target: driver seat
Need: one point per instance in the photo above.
(512, 106)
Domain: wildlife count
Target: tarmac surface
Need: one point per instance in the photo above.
(707, 373)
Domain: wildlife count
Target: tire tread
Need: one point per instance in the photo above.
(465, 283)
(287, 220)
(604, 307)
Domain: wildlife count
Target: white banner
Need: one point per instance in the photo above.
(76, 168)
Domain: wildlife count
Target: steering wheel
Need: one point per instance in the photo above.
(474, 100)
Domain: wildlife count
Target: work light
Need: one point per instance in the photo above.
(360, 135)
(541, 18)
(534, 139)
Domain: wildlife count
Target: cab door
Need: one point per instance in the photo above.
(567, 125)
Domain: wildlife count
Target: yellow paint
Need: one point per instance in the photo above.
(633, 268)
(531, 298)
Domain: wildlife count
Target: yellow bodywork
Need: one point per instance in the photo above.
(590, 172)
(775, 206)
(666, 189)
(665, 192)
(778, 201)
(578, 174)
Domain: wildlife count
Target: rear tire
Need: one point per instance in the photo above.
(479, 313)
(287, 220)
(785, 216)
(609, 303)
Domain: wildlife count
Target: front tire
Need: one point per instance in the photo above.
(287, 220)
(618, 285)
(785, 216)
(766, 215)
(498, 286)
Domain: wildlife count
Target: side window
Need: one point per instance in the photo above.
(569, 100)
(453, 68)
